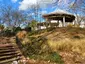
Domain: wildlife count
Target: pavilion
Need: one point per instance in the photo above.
(59, 15)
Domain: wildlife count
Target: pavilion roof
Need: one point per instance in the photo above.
(58, 15)
(61, 11)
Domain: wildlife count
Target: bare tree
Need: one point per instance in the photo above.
(12, 17)
(6, 12)
(78, 6)
(18, 17)
(36, 9)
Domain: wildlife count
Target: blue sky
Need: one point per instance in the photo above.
(13, 3)
(26, 4)
(19, 4)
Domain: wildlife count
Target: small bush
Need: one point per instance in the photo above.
(16, 29)
(1, 27)
(21, 34)
(70, 25)
(7, 33)
(28, 29)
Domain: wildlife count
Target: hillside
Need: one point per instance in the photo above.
(69, 43)
(52, 45)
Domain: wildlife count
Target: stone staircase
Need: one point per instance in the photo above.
(9, 53)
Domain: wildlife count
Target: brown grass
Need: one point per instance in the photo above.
(68, 45)
(65, 39)
(69, 42)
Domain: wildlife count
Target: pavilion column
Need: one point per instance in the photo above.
(50, 23)
(58, 23)
(64, 24)
(47, 21)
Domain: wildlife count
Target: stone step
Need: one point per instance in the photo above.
(9, 57)
(7, 45)
(7, 61)
(9, 53)
(5, 51)
(6, 48)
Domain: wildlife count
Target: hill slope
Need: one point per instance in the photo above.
(68, 42)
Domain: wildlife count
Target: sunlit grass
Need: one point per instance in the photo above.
(42, 42)
(68, 45)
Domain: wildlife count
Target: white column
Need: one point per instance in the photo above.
(64, 24)
(46, 22)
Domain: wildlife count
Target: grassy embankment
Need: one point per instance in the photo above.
(47, 44)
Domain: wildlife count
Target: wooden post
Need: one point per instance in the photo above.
(64, 24)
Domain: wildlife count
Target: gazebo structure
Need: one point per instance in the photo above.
(59, 15)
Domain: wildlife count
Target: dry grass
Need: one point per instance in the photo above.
(69, 42)
(68, 45)
(65, 39)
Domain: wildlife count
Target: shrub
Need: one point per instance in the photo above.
(70, 25)
(21, 34)
(28, 29)
(16, 29)
(7, 33)
(33, 25)
(1, 27)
